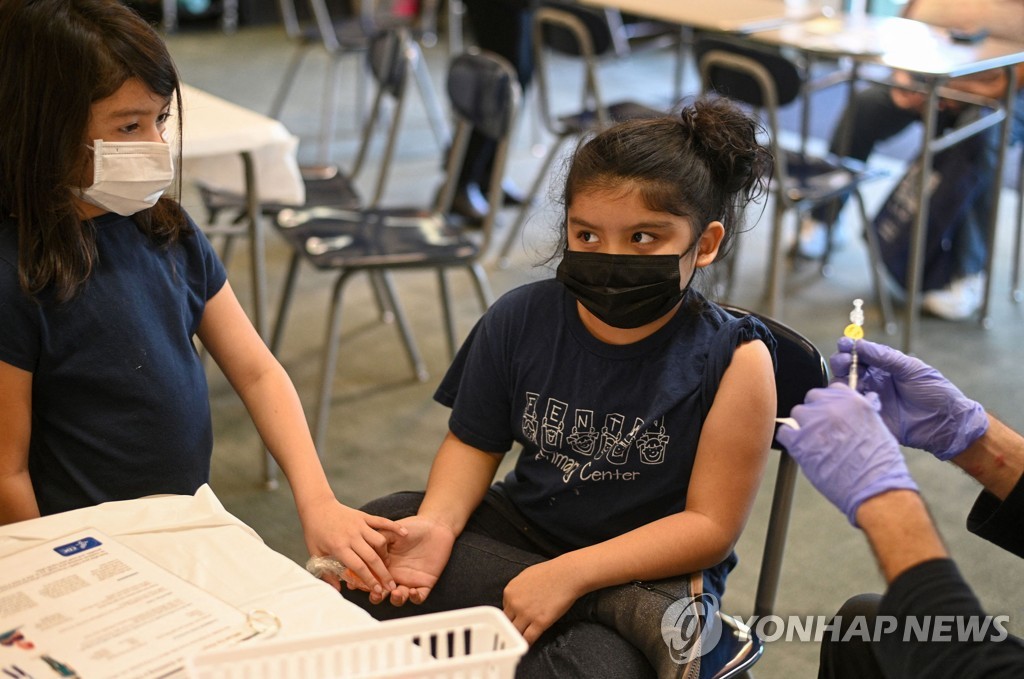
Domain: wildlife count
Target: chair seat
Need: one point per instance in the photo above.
(353, 33)
(737, 650)
(332, 238)
(352, 36)
(325, 186)
(813, 180)
(618, 112)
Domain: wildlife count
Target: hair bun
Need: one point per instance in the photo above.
(727, 139)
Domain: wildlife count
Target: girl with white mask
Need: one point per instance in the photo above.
(644, 412)
(105, 283)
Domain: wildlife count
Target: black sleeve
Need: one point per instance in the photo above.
(1001, 523)
(942, 630)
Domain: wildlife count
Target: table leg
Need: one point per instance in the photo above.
(915, 269)
(257, 249)
(169, 9)
(997, 183)
(229, 16)
(456, 11)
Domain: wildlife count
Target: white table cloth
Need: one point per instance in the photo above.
(215, 134)
(195, 538)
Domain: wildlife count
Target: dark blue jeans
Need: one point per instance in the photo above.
(871, 117)
(504, 28)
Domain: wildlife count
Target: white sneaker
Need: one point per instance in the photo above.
(813, 238)
(960, 300)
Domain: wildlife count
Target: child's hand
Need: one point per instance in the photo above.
(536, 598)
(417, 558)
(355, 538)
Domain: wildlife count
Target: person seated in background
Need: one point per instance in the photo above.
(505, 28)
(879, 112)
(847, 444)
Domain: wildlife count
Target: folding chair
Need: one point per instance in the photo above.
(1015, 292)
(581, 32)
(349, 34)
(799, 368)
(484, 95)
(766, 80)
(390, 58)
(631, 33)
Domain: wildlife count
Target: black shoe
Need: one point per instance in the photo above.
(470, 204)
(511, 195)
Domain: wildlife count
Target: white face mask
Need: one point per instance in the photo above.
(129, 176)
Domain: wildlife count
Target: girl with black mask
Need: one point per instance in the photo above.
(644, 411)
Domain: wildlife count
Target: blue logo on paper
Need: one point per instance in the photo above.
(77, 546)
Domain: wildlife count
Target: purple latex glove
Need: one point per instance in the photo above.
(921, 407)
(844, 448)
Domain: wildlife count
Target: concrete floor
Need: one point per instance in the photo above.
(385, 427)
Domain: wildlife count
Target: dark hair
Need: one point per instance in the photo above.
(58, 57)
(705, 163)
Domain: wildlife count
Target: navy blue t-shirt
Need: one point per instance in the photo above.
(120, 407)
(609, 433)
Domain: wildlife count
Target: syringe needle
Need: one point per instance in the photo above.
(855, 331)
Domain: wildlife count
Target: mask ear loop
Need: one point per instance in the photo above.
(694, 247)
(693, 268)
(94, 175)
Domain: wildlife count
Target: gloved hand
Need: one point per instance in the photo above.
(921, 407)
(843, 447)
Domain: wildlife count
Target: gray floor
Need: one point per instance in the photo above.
(385, 427)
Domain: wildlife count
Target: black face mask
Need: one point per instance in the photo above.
(624, 291)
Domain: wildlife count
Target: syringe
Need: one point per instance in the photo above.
(855, 331)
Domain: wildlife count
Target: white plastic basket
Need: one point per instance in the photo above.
(471, 643)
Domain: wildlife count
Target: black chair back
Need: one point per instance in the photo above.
(800, 367)
(480, 92)
(387, 66)
(564, 41)
(741, 86)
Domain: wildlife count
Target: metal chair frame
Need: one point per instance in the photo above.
(796, 191)
(390, 59)
(391, 55)
(349, 36)
(800, 367)
(593, 113)
(631, 34)
(324, 236)
(1016, 294)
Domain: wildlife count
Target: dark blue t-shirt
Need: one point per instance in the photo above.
(120, 407)
(609, 433)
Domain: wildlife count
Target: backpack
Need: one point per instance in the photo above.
(954, 187)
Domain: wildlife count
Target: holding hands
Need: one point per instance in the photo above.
(416, 556)
(355, 538)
